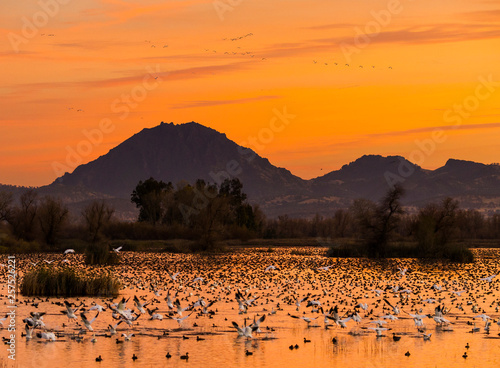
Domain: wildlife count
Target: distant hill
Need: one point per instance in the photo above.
(176, 153)
(186, 152)
(475, 185)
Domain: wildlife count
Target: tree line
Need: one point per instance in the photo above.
(206, 213)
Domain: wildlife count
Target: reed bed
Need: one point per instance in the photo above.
(67, 283)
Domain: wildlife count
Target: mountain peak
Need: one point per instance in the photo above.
(462, 164)
(182, 152)
(374, 164)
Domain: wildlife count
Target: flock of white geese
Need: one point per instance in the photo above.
(171, 295)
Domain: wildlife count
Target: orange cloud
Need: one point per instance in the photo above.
(222, 102)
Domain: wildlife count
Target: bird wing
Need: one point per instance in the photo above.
(237, 327)
(390, 305)
(93, 319)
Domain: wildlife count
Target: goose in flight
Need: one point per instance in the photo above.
(129, 318)
(197, 279)
(127, 337)
(168, 299)
(307, 319)
(325, 268)
(313, 303)
(363, 306)
(120, 308)
(69, 251)
(342, 322)
(112, 328)
(49, 336)
(117, 250)
(181, 319)
(156, 316)
(356, 317)
(70, 312)
(256, 323)
(489, 278)
(243, 303)
(98, 308)
(140, 306)
(418, 319)
(440, 320)
(325, 315)
(29, 332)
(2, 320)
(300, 300)
(378, 330)
(483, 316)
(177, 304)
(35, 320)
(86, 322)
(204, 309)
(174, 276)
(245, 331)
(199, 303)
(390, 317)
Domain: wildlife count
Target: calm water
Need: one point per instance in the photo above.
(347, 283)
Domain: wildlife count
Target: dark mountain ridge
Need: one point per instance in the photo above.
(177, 153)
(187, 152)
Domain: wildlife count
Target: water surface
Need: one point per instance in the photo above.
(347, 284)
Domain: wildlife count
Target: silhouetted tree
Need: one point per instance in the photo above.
(240, 212)
(209, 221)
(22, 218)
(437, 224)
(341, 220)
(51, 215)
(387, 219)
(362, 212)
(96, 216)
(378, 222)
(5, 205)
(149, 197)
(471, 224)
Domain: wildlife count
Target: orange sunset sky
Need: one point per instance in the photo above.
(230, 64)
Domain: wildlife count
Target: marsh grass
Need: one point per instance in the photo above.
(67, 283)
(100, 254)
(178, 246)
(10, 245)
